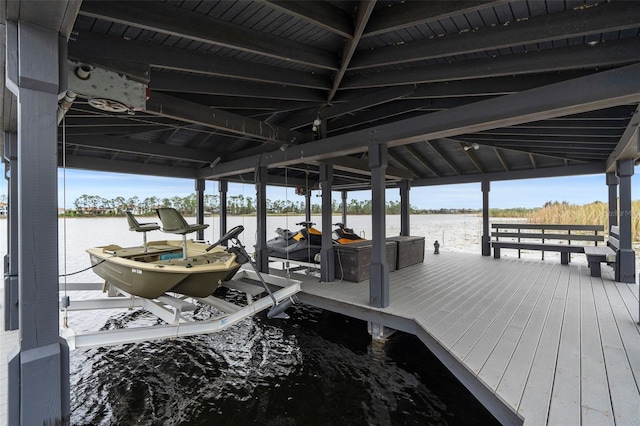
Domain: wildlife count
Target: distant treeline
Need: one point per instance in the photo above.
(95, 205)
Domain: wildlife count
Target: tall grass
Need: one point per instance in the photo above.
(589, 214)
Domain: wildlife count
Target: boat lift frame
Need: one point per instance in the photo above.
(169, 308)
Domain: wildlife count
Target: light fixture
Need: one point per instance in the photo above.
(214, 162)
(472, 146)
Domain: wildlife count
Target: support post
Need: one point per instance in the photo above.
(625, 257)
(262, 253)
(223, 187)
(39, 370)
(379, 280)
(11, 289)
(612, 183)
(486, 236)
(327, 261)
(200, 185)
(343, 196)
(405, 208)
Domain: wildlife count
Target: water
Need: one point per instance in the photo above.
(318, 368)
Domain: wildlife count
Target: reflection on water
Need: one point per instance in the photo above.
(317, 368)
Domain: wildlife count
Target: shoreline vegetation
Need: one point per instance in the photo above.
(552, 212)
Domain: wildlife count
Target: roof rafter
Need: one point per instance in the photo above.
(168, 19)
(323, 15)
(579, 22)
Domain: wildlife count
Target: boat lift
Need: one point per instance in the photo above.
(170, 307)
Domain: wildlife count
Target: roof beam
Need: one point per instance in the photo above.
(121, 144)
(606, 89)
(91, 47)
(559, 59)
(576, 170)
(445, 157)
(580, 22)
(175, 82)
(363, 13)
(133, 167)
(355, 165)
(168, 19)
(367, 101)
(629, 144)
(404, 163)
(320, 14)
(422, 160)
(169, 106)
(496, 150)
(413, 13)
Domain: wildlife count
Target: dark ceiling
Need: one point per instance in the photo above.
(460, 91)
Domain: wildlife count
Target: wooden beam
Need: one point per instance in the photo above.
(354, 165)
(320, 14)
(179, 22)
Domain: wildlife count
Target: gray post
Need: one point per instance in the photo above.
(39, 372)
(612, 183)
(625, 257)
(11, 289)
(223, 187)
(262, 253)
(379, 280)
(343, 195)
(200, 185)
(405, 208)
(327, 261)
(486, 236)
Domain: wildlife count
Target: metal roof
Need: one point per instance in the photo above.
(461, 91)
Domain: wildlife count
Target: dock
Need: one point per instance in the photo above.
(535, 341)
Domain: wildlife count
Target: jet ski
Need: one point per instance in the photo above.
(344, 235)
(302, 245)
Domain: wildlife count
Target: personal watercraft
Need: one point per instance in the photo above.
(302, 245)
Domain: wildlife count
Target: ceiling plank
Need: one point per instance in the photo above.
(88, 47)
(179, 109)
(438, 149)
(472, 157)
(580, 22)
(320, 14)
(411, 13)
(168, 19)
(568, 58)
(605, 90)
(404, 163)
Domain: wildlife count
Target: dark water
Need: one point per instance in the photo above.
(317, 368)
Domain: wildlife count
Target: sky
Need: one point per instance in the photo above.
(527, 193)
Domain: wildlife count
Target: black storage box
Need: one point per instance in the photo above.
(410, 250)
(353, 260)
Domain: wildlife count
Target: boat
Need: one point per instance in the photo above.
(301, 246)
(344, 235)
(157, 267)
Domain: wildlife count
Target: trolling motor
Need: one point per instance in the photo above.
(277, 310)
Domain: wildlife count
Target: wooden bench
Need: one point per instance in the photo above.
(543, 238)
(598, 255)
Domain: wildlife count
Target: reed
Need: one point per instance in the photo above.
(596, 213)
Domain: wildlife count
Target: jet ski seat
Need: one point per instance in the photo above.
(174, 223)
(136, 226)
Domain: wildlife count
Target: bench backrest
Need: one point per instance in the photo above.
(591, 233)
(614, 238)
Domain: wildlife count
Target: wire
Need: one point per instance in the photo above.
(64, 215)
(82, 270)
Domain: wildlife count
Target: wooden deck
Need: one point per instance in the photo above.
(547, 340)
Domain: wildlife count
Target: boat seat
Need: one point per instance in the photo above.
(174, 223)
(136, 226)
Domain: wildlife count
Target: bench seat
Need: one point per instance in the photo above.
(598, 255)
(564, 249)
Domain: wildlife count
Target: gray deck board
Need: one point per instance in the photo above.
(553, 343)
